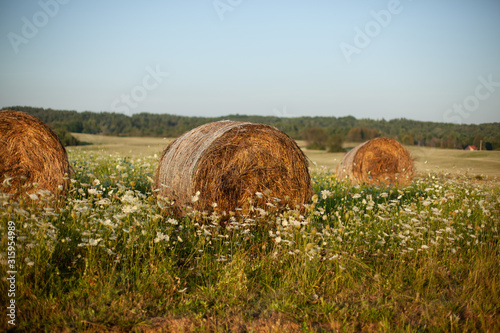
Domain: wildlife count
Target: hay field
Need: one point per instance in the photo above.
(129, 146)
(420, 258)
(473, 163)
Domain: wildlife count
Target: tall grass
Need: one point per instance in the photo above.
(420, 258)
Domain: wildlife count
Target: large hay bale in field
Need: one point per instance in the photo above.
(30, 152)
(380, 161)
(228, 162)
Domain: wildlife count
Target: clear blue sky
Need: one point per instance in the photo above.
(428, 60)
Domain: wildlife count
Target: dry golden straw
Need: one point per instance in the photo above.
(30, 152)
(228, 165)
(380, 161)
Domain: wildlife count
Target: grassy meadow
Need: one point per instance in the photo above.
(422, 258)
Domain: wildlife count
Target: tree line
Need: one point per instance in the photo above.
(319, 132)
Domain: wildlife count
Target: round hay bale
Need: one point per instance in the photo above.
(30, 152)
(222, 166)
(380, 161)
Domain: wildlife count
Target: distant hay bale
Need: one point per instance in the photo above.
(30, 152)
(380, 161)
(227, 163)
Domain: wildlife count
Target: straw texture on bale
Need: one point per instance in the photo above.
(380, 161)
(30, 152)
(228, 162)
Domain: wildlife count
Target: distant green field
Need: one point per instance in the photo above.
(473, 163)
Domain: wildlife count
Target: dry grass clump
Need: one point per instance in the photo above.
(30, 152)
(226, 166)
(380, 161)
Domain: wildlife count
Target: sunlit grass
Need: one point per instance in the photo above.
(396, 259)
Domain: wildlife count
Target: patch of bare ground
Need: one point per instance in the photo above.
(276, 323)
(234, 324)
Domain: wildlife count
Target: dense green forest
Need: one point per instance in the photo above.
(320, 132)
